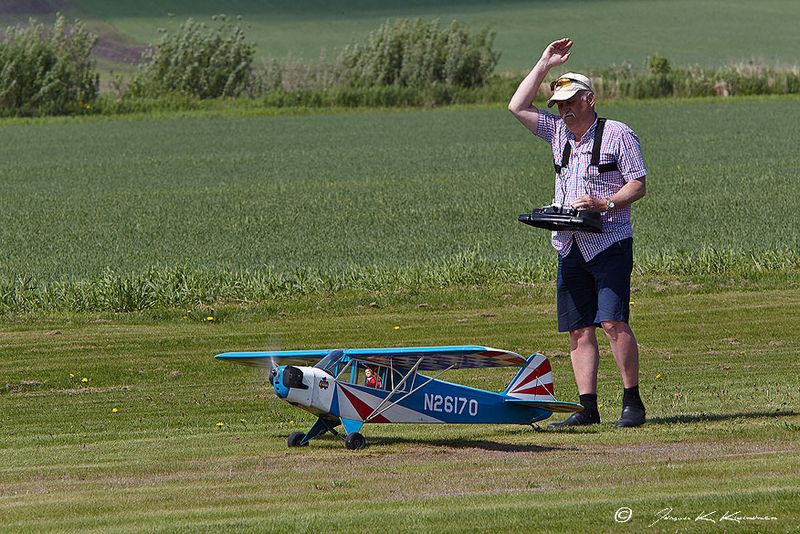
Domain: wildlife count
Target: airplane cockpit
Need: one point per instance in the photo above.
(368, 374)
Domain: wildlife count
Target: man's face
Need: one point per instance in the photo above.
(578, 109)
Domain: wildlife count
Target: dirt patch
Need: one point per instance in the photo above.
(24, 386)
(33, 7)
(72, 391)
(110, 45)
(112, 49)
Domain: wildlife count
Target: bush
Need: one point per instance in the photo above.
(293, 74)
(414, 53)
(47, 71)
(662, 80)
(198, 61)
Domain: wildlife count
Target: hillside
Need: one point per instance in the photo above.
(708, 33)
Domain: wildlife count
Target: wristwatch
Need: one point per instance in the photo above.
(610, 204)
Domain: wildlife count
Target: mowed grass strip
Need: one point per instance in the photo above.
(377, 192)
(719, 376)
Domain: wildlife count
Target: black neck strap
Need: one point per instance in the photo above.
(596, 145)
(598, 140)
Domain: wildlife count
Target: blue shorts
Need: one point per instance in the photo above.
(590, 292)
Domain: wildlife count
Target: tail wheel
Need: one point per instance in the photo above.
(355, 441)
(295, 438)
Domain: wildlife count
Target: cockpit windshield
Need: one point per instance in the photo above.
(330, 361)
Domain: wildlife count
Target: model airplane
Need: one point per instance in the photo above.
(356, 386)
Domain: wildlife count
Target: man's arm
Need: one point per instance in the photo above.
(521, 105)
(627, 195)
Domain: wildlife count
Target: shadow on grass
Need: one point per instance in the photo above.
(706, 417)
(454, 443)
(482, 444)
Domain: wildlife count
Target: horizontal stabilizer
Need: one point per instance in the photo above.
(552, 406)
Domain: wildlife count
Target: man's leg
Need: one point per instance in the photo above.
(585, 356)
(626, 353)
(577, 307)
(612, 270)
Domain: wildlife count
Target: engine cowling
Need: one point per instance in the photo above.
(306, 387)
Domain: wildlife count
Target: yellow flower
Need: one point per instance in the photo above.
(632, 303)
(209, 318)
(397, 328)
(84, 380)
(220, 424)
(599, 404)
(114, 410)
(658, 376)
(72, 375)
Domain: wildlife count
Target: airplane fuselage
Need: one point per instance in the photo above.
(423, 400)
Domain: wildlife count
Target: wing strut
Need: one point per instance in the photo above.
(396, 388)
(378, 410)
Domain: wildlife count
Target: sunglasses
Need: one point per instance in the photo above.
(561, 82)
(566, 82)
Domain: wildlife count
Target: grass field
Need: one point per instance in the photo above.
(709, 33)
(383, 190)
(719, 376)
(298, 229)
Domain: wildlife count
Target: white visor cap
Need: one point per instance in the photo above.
(567, 85)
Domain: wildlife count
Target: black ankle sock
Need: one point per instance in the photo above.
(589, 403)
(630, 397)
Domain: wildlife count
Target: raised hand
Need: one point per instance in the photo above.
(556, 53)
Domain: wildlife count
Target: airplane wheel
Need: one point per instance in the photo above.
(295, 438)
(355, 441)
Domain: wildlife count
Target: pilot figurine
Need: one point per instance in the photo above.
(373, 380)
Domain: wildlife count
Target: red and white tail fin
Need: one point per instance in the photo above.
(534, 382)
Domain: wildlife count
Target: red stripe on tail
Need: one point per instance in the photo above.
(542, 370)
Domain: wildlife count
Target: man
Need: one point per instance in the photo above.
(594, 269)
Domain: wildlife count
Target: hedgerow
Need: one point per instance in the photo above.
(197, 60)
(411, 56)
(660, 79)
(416, 53)
(406, 62)
(47, 70)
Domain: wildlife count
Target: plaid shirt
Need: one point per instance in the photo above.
(619, 144)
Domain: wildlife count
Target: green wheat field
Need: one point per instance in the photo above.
(340, 191)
